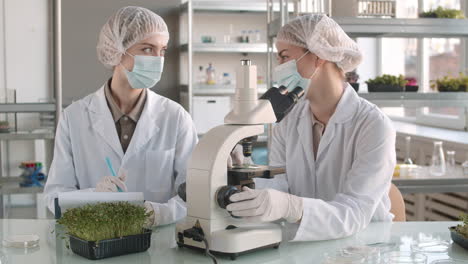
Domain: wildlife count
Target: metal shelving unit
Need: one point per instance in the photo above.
(189, 89)
(27, 135)
(226, 48)
(417, 99)
(229, 6)
(387, 27)
(27, 108)
(394, 27)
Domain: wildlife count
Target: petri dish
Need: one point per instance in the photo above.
(399, 257)
(430, 246)
(21, 241)
(384, 246)
(343, 258)
(364, 251)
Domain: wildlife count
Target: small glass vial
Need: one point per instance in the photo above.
(465, 166)
(438, 160)
(407, 152)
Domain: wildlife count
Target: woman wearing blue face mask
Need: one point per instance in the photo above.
(148, 138)
(338, 149)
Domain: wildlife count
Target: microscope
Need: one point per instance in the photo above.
(210, 183)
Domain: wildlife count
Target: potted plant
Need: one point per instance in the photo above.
(459, 233)
(352, 78)
(386, 83)
(104, 230)
(451, 84)
(411, 85)
(440, 12)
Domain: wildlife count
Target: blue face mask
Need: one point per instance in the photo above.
(286, 74)
(146, 71)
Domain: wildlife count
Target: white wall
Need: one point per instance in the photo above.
(25, 65)
(368, 68)
(81, 23)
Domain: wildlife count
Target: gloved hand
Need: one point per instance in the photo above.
(150, 220)
(236, 157)
(266, 205)
(110, 183)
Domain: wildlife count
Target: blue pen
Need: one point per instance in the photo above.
(109, 164)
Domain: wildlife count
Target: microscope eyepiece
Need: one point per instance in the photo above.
(282, 101)
(282, 89)
(297, 93)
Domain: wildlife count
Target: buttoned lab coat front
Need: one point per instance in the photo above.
(347, 185)
(155, 160)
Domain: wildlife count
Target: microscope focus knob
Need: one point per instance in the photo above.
(223, 194)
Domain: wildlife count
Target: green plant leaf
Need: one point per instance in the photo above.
(95, 222)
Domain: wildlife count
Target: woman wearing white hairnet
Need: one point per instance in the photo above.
(145, 135)
(338, 149)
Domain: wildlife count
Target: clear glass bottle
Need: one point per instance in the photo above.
(228, 35)
(438, 160)
(407, 152)
(201, 77)
(210, 74)
(451, 165)
(465, 166)
(226, 79)
(258, 36)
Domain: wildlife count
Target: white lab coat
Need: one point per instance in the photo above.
(347, 185)
(155, 160)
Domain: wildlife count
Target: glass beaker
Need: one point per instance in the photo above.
(451, 165)
(438, 160)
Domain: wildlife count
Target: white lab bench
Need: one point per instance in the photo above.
(425, 183)
(164, 250)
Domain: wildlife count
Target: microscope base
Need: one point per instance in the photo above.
(238, 240)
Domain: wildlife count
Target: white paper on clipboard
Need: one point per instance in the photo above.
(69, 200)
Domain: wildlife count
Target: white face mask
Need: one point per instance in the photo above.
(146, 71)
(286, 74)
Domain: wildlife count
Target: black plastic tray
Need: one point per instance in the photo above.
(372, 88)
(411, 88)
(111, 247)
(458, 238)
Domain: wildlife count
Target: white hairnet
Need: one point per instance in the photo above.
(125, 28)
(322, 36)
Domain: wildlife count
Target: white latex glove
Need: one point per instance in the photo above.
(110, 183)
(236, 157)
(150, 220)
(266, 205)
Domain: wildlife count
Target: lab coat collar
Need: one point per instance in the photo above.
(345, 110)
(147, 127)
(304, 129)
(103, 123)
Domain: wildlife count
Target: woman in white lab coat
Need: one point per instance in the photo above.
(147, 137)
(338, 149)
